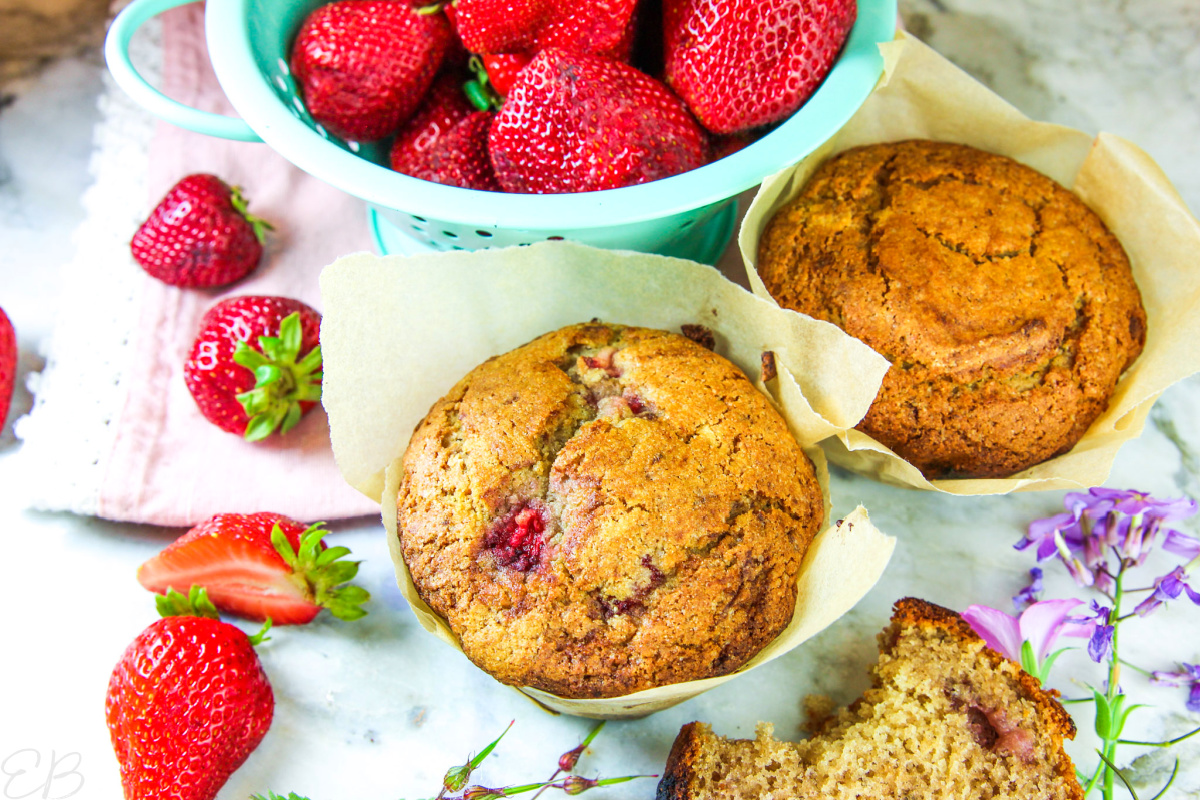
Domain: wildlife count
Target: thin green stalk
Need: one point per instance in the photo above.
(1114, 675)
(1176, 740)
(1136, 668)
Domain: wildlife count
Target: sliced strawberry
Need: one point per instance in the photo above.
(259, 566)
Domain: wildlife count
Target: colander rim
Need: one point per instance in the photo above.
(843, 91)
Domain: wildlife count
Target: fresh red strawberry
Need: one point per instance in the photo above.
(444, 106)
(740, 64)
(260, 566)
(459, 157)
(597, 27)
(8, 364)
(577, 123)
(200, 235)
(502, 70)
(187, 703)
(362, 66)
(255, 365)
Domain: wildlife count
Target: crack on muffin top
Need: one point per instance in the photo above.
(607, 509)
(1000, 299)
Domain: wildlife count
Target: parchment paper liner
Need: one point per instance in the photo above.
(922, 95)
(399, 332)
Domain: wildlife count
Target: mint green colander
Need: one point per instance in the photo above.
(689, 216)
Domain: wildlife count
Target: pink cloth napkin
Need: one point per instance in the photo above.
(169, 466)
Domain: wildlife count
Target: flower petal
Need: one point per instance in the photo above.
(999, 631)
(1042, 623)
(1181, 544)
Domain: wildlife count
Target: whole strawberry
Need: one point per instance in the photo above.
(578, 123)
(255, 365)
(200, 235)
(596, 27)
(260, 566)
(8, 364)
(362, 66)
(740, 64)
(187, 703)
(459, 157)
(444, 106)
(502, 70)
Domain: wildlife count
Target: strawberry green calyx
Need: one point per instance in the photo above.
(260, 225)
(196, 604)
(193, 604)
(479, 90)
(281, 382)
(320, 574)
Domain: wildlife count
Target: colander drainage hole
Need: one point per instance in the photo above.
(417, 228)
(450, 234)
(554, 238)
(483, 234)
(686, 225)
(419, 219)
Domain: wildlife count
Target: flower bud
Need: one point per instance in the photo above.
(577, 784)
(482, 793)
(568, 760)
(456, 778)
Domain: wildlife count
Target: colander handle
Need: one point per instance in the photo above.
(116, 54)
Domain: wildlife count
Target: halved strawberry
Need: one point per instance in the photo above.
(258, 566)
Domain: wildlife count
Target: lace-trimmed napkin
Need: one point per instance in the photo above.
(114, 431)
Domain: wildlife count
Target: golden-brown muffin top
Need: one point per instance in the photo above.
(607, 509)
(998, 296)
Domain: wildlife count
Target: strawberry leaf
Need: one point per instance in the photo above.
(194, 604)
(291, 418)
(261, 636)
(322, 573)
(283, 546)
(260, 225)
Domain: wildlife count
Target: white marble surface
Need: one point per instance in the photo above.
(379, 709)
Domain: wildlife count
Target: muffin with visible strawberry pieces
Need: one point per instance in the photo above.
(605, 510)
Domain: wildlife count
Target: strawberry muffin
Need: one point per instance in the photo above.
(1007, 308)
(607, 509)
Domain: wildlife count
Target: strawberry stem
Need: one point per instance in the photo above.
(281, 382)
(479, 90)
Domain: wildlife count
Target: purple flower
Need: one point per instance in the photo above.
(1168, 587)
(1189, 675)
(1040, 625)
(1029, 595)
(1102, 521)
(1098, 630)
(1181, 544)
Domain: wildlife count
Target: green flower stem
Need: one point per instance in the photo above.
(1176, 740)
(1114, 677)
(1135, 667)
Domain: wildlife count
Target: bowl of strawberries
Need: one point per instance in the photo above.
(625, 124)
